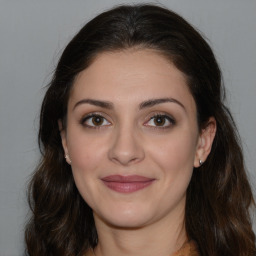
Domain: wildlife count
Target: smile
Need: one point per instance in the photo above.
(127, 184)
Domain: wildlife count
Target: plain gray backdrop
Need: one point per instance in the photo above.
(32, 37)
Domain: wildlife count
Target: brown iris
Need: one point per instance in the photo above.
(159, 120)
(97, 120)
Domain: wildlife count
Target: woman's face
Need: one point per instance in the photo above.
(132, 137)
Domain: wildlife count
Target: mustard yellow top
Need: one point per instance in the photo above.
(188, 249)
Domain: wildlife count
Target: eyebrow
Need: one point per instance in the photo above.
(153, 102)
(98, 103)
(145, 104)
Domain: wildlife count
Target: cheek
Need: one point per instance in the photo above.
(86, 152)
(87, 159)
(175, 154)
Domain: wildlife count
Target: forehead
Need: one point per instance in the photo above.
(131, 76)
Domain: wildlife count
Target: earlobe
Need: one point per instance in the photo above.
(68, 160)
(205, 142)
(64, 141)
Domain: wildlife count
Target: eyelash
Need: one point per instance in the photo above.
(90, 116)
(167, 118)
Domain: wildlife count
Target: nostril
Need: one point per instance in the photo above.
(124, 159)
(126, 151)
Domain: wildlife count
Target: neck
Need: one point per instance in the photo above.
(160, 238)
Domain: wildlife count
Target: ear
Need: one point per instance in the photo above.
(205, 141)
(64, 140)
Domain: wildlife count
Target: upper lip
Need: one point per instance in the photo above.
(126, 179)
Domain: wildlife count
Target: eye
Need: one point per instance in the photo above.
(161, 121)
(95, 121)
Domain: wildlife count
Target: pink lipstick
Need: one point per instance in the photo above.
(127, 184)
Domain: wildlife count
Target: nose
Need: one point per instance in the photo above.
(126, 147)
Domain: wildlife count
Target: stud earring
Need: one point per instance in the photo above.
(200, 162)
(68, 159)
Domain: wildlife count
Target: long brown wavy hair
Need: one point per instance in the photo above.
(219, 196)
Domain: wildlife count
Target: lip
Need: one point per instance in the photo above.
(127, 184)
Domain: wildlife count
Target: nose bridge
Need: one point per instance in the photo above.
(126, 147)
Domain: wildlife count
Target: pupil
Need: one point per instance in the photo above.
(97, 120)
(159, 120)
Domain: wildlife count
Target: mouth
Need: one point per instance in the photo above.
(127, 184)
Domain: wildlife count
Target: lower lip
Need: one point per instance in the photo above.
(127, 187)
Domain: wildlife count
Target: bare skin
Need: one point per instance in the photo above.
(131, 114)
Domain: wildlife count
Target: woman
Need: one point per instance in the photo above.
(139, 154)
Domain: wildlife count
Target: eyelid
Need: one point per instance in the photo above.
(170, 119)
(91, 115)
(150, 117)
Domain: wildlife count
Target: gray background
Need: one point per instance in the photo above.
(32, 37)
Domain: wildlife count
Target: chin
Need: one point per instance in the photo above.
(129, 217)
